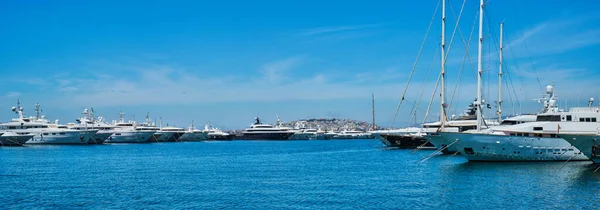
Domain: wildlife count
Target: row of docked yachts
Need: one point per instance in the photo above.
(91, 130)
(262, 131)
(552, 134)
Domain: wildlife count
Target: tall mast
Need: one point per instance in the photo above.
(373, 110)
(500, 78)
(479, 70)
(443, 70)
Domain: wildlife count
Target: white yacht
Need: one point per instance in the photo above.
(530, 141)
(43, 132)
(170, 133)
(306, 134)
(215, 133)
(260, 131)
(193, 134)
(351, 134)
(457, 126)
(9, 138)
(126, 132)
(88, 122)
(589, 144)
(147, 126)
(465, 122)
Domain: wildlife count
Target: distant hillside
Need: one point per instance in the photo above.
(328, 124)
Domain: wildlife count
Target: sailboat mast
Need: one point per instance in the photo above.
(373, 110)
(500, 78)
(479, 70)
(443, 68)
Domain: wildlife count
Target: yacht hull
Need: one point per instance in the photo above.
(175, 135)
(502, 148)
(55, 137)
(403, 141)
(14, 140)
(219, 137)
(154, 137)
(262, 136)
(440, 142)
(165, 136)
(588, 144)
(344, 137)
(194, 136)
(129, 137)
(302, 136)
(99, 138)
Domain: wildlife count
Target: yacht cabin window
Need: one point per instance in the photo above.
(569, 118)
(508, 122)
(550, 118)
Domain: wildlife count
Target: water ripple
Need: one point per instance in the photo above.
(281, 175)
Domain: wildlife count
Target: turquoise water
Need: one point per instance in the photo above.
(352, 174)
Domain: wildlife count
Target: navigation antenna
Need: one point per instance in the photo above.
(121, 116)
(38, 109)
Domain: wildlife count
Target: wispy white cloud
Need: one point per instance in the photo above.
(555, 36)
(152, 84)
(12, 94)
(335, 29)
(275, 72)
(391, 73)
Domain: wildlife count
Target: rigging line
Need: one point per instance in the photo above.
(517, 67)
(512, 53)
(424, 85)
(465, 44)
(505, 71)
(512, 104)
(415, 64)
(496, 43)
(455, 27)
(464, 58)
(431, 101)
(512, 85)
(531, 60)
(429, 108)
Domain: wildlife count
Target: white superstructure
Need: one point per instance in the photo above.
(126, 132)
(530, 141)
(194, 134)
(88, 122)
(42, 131)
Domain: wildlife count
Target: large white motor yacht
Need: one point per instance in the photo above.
(530, 141)
(126, 132)
(87, 122)
(194, 134)
(147, 126)
(213, 133)
(42, 131)
(170, 133)
(9, 138)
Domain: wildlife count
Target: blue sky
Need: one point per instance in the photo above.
(229, 61)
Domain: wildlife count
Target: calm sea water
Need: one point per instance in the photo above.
(354, 174)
